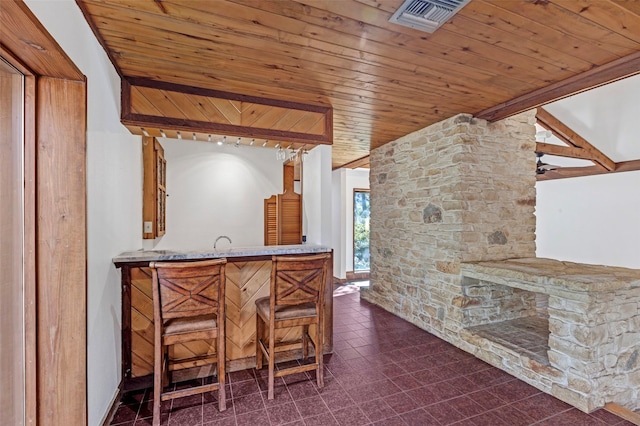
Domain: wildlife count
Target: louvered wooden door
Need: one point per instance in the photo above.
(283, 219)
(289, 218)
(270, 221)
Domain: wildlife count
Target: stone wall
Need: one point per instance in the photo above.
(595, 341)
(459, 190)
(489, 302)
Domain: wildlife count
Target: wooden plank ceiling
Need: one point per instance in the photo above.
(382, 80)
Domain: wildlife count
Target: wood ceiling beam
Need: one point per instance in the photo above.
(566, 134)
(360, 162)
(562, 151)
(597, 76)
(570, 172)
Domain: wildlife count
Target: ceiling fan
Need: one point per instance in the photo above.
(542, 168)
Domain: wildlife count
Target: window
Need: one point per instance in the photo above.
(360, 230)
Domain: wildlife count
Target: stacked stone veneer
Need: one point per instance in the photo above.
(457, 191)
(463, 190)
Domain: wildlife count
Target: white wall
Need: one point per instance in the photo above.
(114, 200)
(216, 190)
(338, 215)
(316, 198)
(592, 219)
(344, 181)
(595, 219)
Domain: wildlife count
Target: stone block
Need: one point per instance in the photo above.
(590, 336)
(629, 360)
(448, 267)
(571, 349)
(571, 397)
(580, 384)
(622, 311)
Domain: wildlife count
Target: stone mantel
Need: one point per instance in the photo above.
(553, 277)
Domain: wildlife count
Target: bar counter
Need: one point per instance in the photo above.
(248, 274)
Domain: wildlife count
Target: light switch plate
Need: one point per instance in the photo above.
(148, 228)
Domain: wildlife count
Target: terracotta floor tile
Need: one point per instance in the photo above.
(258, 417)
(310, 407)
(444, 413)
(571, 417)
(541, 406)
(187, 416)
(419, 417)
(321, 420)
(377, 410)
(283, 413)
(351, 416)
(401, 403)
(245, 404)
(337, 400)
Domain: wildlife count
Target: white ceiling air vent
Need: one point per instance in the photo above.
(426, 15)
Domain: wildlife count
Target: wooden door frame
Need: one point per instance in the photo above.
(54, 220)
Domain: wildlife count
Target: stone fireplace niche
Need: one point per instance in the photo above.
(449, 200)
(513, 318)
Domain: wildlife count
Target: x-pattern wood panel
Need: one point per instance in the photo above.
(190, 295)
(245, 282)
(142, 328)
(298, 285)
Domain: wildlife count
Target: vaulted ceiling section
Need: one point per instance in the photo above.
(381, 80)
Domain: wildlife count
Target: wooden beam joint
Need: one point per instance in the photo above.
(578, 146)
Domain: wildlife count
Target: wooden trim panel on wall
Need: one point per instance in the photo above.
(55, 258)
(61, 252)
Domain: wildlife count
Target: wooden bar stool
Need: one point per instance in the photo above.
(188, 305)
(296, 299)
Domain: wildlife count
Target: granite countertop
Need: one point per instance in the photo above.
(552, 276)
(168, 255)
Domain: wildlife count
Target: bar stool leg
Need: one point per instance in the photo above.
(272, 361)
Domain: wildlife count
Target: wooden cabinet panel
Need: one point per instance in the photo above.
(154, 188)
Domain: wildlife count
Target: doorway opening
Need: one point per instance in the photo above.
(361, 215)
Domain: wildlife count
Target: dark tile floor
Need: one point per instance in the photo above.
(384, 371)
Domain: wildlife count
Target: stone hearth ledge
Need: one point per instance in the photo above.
(171, 255)
(553, 277)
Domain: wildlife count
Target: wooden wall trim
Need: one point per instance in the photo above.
(30, 247)
(55, 220)
(61, 252)
(150, 121)
(23, 35)
(597, 76)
